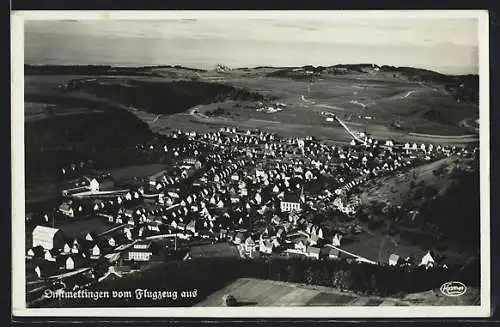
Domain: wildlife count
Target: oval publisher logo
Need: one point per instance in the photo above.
(453, 289)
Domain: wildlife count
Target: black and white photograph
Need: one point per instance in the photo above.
(311, 164)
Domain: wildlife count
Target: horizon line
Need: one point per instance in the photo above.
(246, 67)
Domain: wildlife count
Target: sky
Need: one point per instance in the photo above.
(448, 46)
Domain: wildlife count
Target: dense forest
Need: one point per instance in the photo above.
(62, 139)
(90, 70)
(439, 218)
(456, 213)
(165, 97)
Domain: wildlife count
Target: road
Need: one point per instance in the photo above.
(330, 133)
(360, 258)
(112, 230)
(408, 94)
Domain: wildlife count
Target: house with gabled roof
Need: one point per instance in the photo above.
(96, 251)
(266, 246)
(51, 255)
(191, 226)
(35, 253)
(73, 262)
(290, 202)
(427, 261)
(313, 238)
(66, 248)
(91, 236)
(239, 238)
(276, 220)
(249, 245)
(300, 245)
(154, 226)
(336, 239)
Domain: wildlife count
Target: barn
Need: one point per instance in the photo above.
(47, 237)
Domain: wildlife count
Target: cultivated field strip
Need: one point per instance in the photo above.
(256, 292)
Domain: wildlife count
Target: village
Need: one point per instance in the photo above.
(246, 190)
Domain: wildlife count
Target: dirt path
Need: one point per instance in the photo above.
(408, 94)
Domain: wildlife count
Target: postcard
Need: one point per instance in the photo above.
(250, 164)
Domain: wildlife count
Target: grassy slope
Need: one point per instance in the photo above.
(397, 190)
(417, 106)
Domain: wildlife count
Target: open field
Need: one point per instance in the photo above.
(125, 173)
(257, 292)
(371, 102)
(83, 226)
(40, 194)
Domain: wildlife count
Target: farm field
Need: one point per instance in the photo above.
(369, 102)
(257, 292)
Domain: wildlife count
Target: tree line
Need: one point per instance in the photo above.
(208, 275)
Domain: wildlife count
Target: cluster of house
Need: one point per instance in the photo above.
(88, 185)
(174, 175)
(297, 237)
(55, 252)
(246, 178)
(231, 184)
(84, 205)
(270, 108)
